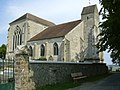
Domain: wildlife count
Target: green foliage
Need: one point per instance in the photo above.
(110, 28)
(2, 51)
(114, 59)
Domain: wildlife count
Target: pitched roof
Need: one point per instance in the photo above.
(29, 16)
(56, 31)
(88, 9)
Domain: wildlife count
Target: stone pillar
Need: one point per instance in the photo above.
(23, 74)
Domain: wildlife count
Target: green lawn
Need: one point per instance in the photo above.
(67, 85)
(60, 86)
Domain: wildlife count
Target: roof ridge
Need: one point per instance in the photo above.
(88, 9)
(90, 5)
(68, 22)
(56, 31)
(34, 18)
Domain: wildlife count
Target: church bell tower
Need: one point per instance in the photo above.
(90, 18)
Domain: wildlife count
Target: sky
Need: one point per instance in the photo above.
(57, 11)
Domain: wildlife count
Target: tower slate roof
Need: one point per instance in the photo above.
(56, 31)
(88, 9)
(34, 18)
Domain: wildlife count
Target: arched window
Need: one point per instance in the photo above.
(13, 42)
(42, 50)
(17, 37)
(20, 38)
(23, 33)
(31, 51)
(55, 47)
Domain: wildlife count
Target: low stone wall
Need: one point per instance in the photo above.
(54, 72)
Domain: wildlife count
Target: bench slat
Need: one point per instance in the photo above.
(77, 75)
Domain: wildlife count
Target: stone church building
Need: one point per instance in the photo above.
(69, 42)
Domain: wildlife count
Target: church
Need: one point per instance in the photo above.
(68, 42)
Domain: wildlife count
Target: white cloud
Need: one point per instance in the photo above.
(55, 10)
(14, 11)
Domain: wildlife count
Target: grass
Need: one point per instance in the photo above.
(59, 86)
(71, 84)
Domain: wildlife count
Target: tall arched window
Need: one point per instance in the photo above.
(31, 51)
(13, 42)
(55, 47)
(42, 50)
(17, 37)
(23, 33)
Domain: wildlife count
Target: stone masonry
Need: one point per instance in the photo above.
(23, 74)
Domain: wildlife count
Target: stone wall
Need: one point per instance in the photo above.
(23, 73)
(57, 72)
(74, 37)
(91, 31)
(28, 29)
(48, 43)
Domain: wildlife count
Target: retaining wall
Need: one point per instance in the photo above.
(56, 72)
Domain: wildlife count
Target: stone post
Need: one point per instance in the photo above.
(23, 73)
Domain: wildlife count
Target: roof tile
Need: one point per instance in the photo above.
(56, 31)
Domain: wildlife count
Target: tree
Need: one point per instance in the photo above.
(110, 28)
(115, 60)
(2, 51)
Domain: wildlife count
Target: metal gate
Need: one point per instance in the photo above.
(6, 74)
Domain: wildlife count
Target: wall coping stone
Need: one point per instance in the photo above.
(60, 62)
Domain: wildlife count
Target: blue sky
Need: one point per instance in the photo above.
(57, 11)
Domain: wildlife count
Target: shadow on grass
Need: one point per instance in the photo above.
(71, 84)
(59, 86)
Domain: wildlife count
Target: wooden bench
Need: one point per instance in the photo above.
(78, 76)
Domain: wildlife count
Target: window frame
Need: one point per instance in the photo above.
(55, 49)
(42, 50)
